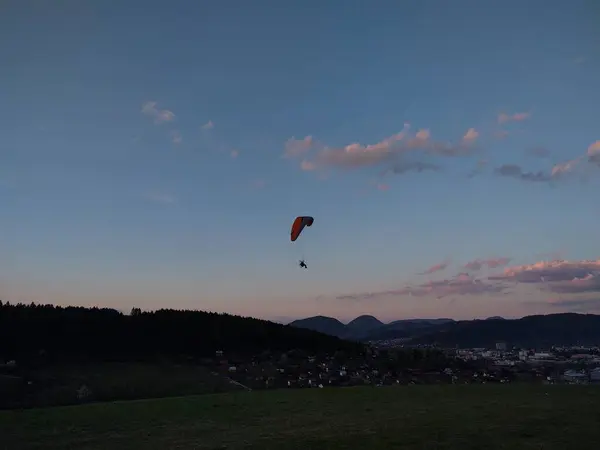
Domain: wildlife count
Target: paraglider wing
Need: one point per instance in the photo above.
(299, 224)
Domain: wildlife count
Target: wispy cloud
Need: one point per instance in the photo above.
(176, 137)
(436, 267)
(559, 277)
(161, 198)
(515, 171)
(382, 187)
(159, 115)
(515, 117)
(461, 284)
(297, 147)
(414, 166)
(234, 154)
(208, 125)
(492, 263)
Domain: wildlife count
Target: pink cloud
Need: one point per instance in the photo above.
(470, 136)
(436, 268)
(382, 187)
(594, 149)
(462, 284)
(307, 165)
(516, 117)
(357, 155)
(557, 276)
(234, 154)
(297, 147)
(593, 153)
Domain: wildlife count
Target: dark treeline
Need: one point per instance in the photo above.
(76, 333)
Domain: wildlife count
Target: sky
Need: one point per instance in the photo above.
(155, 154)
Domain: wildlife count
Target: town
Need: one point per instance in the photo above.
(413, 365)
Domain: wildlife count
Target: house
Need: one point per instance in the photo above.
(574, 376)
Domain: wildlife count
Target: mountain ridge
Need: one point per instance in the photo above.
(533, 330)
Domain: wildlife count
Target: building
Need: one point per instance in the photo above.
(501, 346)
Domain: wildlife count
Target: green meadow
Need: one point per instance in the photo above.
(404, 417)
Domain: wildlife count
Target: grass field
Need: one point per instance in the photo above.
(406, 417)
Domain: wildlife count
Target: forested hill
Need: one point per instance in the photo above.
(105, 334)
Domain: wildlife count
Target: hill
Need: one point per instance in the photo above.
(322, 324)
(363, 325)
(415, 417)
(106, 334)
(529, 331)
(365, 328)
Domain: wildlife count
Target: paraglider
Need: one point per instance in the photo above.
(299, 224)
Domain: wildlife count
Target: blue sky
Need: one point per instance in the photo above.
(155, 154)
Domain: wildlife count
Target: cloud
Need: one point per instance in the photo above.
(357, 155)
(559, 276)
(234, 154)
(208, 125)
(491, 263)
(307, 165)
(516, 117)
(593, 153)
(564, 168)
(515, 171)
(159, 115)
(436, 267)
(161, 198)
(382, 187)
(470, 136)
(297, 147)
(176, 137)
(462, 284)
(588, 283)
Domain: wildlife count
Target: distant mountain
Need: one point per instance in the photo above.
(364, 324)
(529, 331)
(495, 318)
(322, 324)
(406, 328)
(367, 327)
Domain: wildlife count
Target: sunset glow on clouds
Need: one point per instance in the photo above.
(158, 160)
